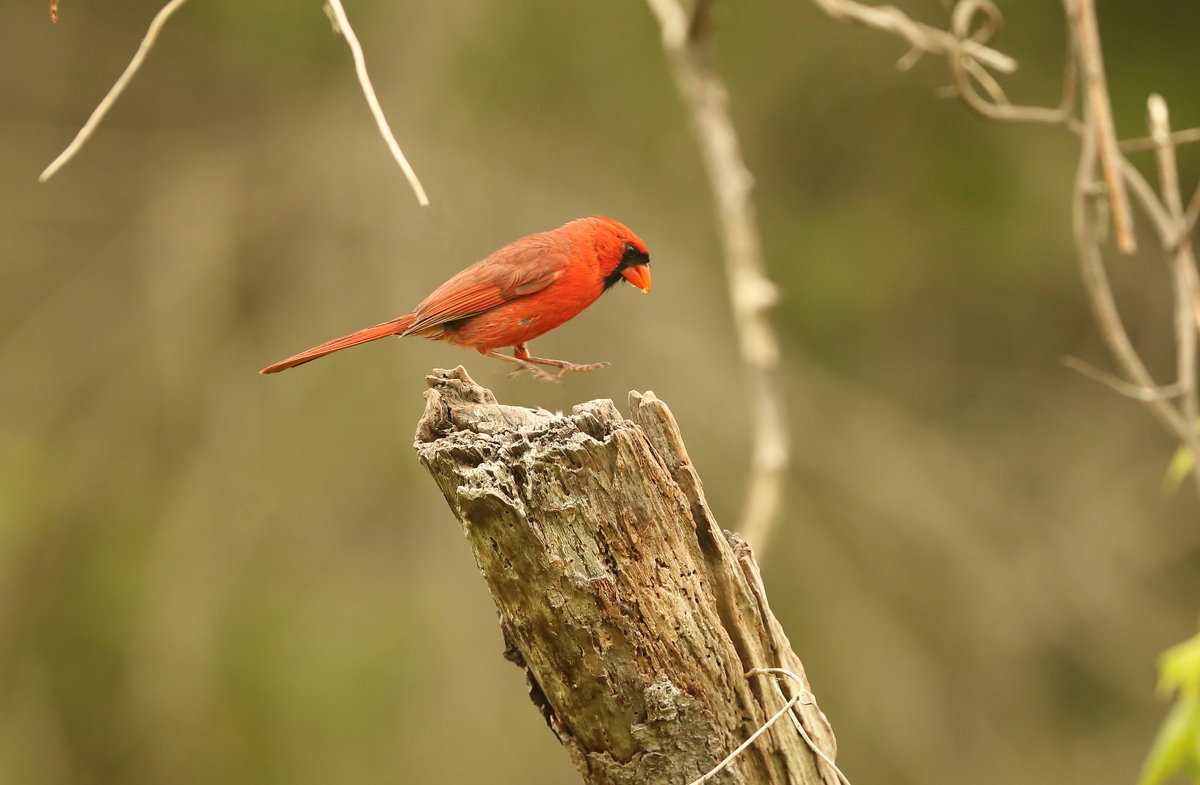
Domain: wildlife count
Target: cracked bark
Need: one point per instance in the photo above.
(634, 616)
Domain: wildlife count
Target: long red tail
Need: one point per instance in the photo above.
(394, 327)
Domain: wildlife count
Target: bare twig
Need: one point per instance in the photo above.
(1087, 37)
(1144, 143)
(342, 24)
(715, 770)
(1099, 290)
(1120, 385)
(804, 693)
(923, 38)
(1146, 196)
(751, 292)
(1184, 283)
(114, 92)
(964, 68)
(1193, 212)
(1176, 404)
(336, 13)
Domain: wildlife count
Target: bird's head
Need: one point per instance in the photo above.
(622, 253)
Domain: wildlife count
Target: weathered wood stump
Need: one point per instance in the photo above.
(635, 617)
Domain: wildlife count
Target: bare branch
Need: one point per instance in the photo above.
(974, 21)
(751, 292)
(1146, 196)
(1193, 212)
(342, 25)
(1144, 143)
(1087, 37)
(1183, 278)
(1164, 148)
(1099, 290)
(922, 38)
(336, 13)
(964, 68)
(114, 92)
(1120, 385)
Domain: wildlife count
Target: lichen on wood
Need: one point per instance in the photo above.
(635, 617)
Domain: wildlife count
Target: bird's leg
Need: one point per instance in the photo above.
(520, 357)
(521, 352)
(537, 372)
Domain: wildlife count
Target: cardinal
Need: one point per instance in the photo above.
(521, 291)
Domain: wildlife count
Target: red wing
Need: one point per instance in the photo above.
(522, 268)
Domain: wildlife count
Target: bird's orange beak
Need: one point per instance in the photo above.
(638, 275)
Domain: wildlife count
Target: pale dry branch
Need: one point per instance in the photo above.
(964, 69)
(990, 83)
(1082, 15)
(1144, 143)
(1100, 294)
(114, 92)
(1118, 384)
(342, 25)
(1184, 284)
(923, 38)
(1193, 212)
(752, 294)
(974, 21)
(1148, 199)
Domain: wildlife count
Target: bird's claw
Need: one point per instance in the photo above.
(562, 367)
(535, 372)
(585, 368)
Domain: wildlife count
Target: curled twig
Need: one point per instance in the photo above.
(965, 69)
(921, 37)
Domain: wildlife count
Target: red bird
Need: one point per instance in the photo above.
(526, 288)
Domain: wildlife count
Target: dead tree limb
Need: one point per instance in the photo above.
(636, 618)
(751, 292)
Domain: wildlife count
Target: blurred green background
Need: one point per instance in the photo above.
(208, 576)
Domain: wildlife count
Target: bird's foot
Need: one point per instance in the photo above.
(562, 365)
(535, 372)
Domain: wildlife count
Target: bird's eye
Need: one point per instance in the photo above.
(629, 248)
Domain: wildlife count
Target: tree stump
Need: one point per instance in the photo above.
(636, 618)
